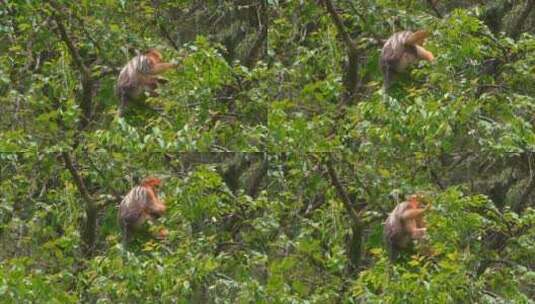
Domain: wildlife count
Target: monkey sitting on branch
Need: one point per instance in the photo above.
(141, 205)
(400, 51)
(139, 75)
(405, 224)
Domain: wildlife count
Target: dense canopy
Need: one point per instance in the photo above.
(280, 152)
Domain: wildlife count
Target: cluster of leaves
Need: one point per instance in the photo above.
(296, 215)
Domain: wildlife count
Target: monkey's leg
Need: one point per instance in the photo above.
(126, 231)
(418, 233)
(151, 84)
(123, 100)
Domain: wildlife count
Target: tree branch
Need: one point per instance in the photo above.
(260, 38)
(76, 176)
(522, 202)
(354, 243)
(89, 232)
(348, 204)
(516, 29)
(351, 75)
(314, 204)
(256, 178)
(88, 86)
(339, 24)
(165, 33)
(72, 50)
(433, 5)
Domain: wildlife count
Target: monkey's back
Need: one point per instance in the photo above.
(393, 228)
(128, 82)
(395, 54)
(133, 205)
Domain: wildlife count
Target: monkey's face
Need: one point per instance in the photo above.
(154, 57)
(415, 202)
(152, 182)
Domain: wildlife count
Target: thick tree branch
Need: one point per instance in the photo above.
(70, 45)
(354, 243)
(76, 176)
(89, 232)
(437, 179)
(524, 198)
(433, 5)
(339, 25)
(494, 14)
(88, 83)
(109, 70)
(253, 185)
(516, 29)
(348, 204)
(165, 33)
(351, 75)
(261, 37)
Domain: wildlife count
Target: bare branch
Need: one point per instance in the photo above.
(348, 204)
(433, 5)
(89, 231)
(351, 75)
(70, 45)
(76, 176)
(339, 25)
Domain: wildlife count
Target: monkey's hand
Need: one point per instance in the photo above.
(175, 63)
(162, 234)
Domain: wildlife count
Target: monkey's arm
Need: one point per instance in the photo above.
(414, 231)
(154, 206)
(161, 67)
(411, 214)
(424, 54)
(417, 38)
(414, 222)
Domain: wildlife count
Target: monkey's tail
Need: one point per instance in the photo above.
(387, 79)
(123, 226)
(389, 245)
(122, 93)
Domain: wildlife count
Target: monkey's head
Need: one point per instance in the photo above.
(415, 42)
(154, 55)
(417, 200)
(151, 181)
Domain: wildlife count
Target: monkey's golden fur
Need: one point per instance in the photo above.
(404, 224)
(140, 205)
(140, 75)
(402, 50)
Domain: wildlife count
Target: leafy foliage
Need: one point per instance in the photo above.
(280, 152)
